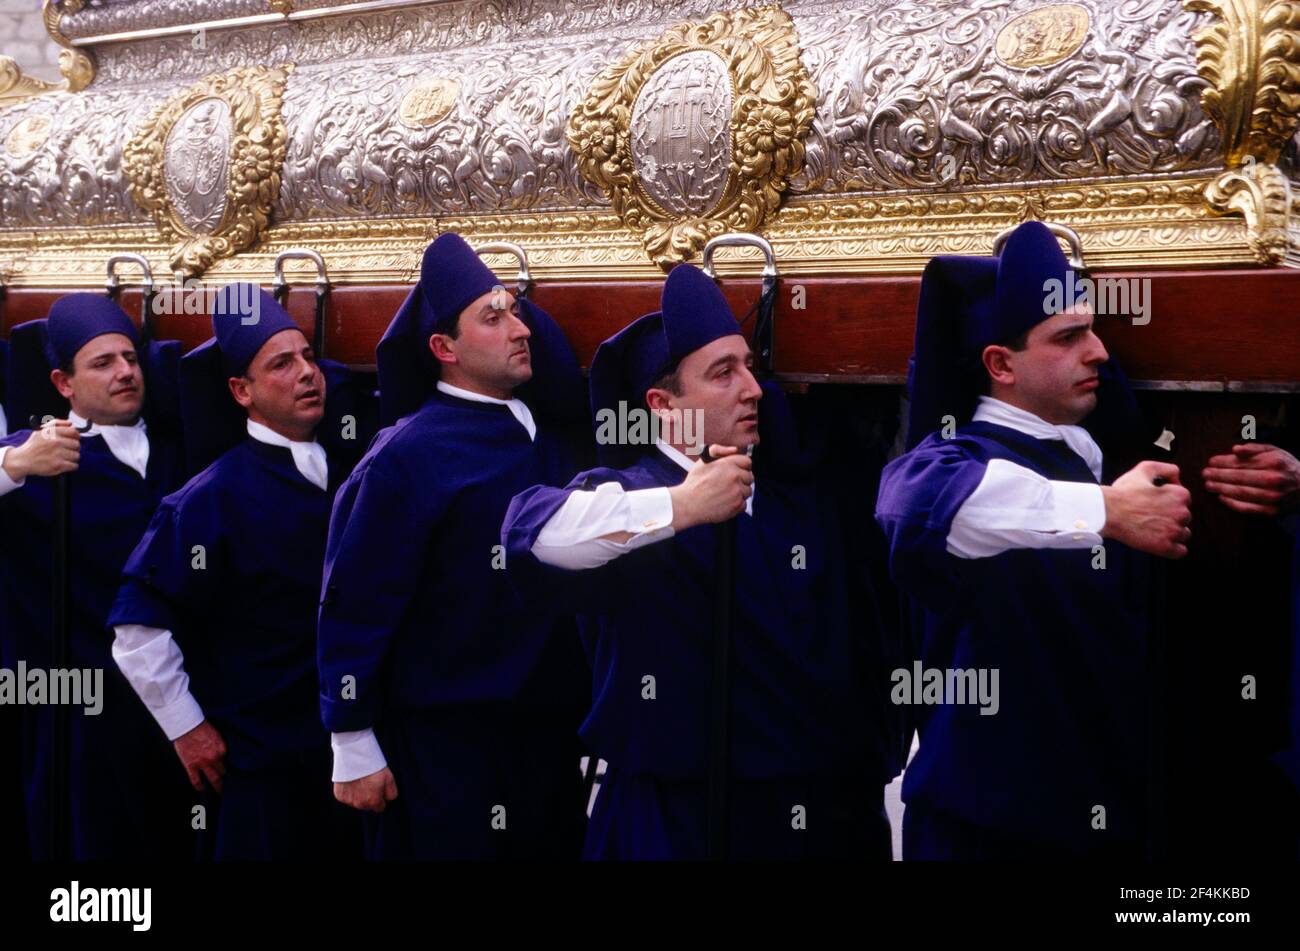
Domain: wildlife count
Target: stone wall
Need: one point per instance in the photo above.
(23, 36)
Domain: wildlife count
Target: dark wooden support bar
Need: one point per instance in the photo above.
(1224, 328)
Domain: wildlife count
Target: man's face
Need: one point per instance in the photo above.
(489, 353)
(283, 387)
(1055, 376)
(717, 380)
(106, 385)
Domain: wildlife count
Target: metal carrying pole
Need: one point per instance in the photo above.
(724, 576)
(280, 290)
(113, 285)
(60, 800)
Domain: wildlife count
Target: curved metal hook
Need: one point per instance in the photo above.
(524, 279)
(300, 254)
(1071, 237)
(112, 283)
(740, 239)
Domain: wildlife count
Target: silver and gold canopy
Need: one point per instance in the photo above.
(612, 138)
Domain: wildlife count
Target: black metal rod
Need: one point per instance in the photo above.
(318, 333)
(724, 609)
(1157, 731)
(147, 296)
(1157, 699)
(719, 791)
(60, 648)
(60, 797)
(764, 342)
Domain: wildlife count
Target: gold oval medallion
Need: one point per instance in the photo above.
(27, 136)
(428, 102)
(1043, 37)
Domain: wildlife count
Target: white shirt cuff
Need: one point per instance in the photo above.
(1015, 507)
(152, 663)
(179, 717)
(7, 484)
(356, 755)
(1082, 506)
(649, 511)
(572, 538)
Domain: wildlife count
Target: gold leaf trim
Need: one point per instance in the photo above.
(77, 66)
(15, 85)
(1152, 223)
(771, 115)
(1250, 57)
(257, 150)
(1262, 195)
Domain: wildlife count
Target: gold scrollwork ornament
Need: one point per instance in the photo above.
(699, 131)
(1249, 56)
(15, 85)
(77, 66)
(173, 179)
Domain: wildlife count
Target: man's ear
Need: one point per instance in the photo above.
(997, 361)
(443, 348)
(62, 382)
(658, 400)
(239, 390)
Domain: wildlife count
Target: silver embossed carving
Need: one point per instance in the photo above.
(148, 14)
(912, 97)
(681, 133)
(197, 163)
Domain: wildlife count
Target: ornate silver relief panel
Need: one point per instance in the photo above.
(681, 133)
(935, 96)
(916, 96)
(197, 161)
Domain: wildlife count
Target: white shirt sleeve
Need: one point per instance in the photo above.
(7, 484)
(572, 537)
(152, 663)
(1015, 507)
(356, 754)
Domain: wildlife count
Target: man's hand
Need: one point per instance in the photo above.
(1255, 479)
(203, 754)
(372, 793)
(713, 491)
(1146, 516)
(52, 450)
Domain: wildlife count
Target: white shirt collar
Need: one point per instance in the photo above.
(517, 408)
(308, 457)
(128, 444)
(1000, 413)
(687, 463)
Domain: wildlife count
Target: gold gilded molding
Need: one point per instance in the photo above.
(251, 96)
(1043, 37)
(282, 7)
(1153, 223)
(1250, 57)
(76, 65)
(772, 103)
(428, 101)
(1262, 195)
(15, 85)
